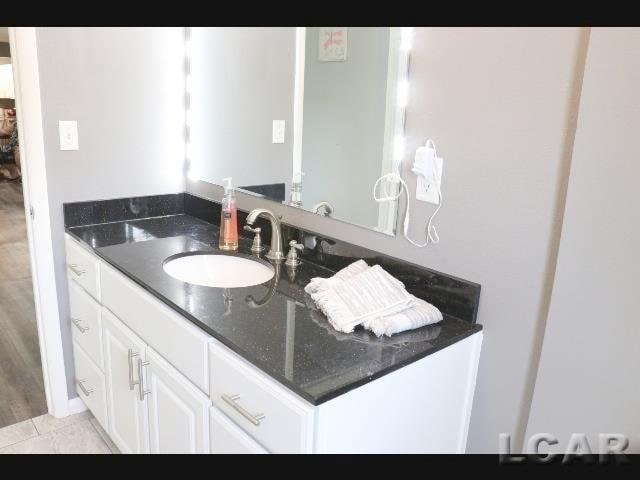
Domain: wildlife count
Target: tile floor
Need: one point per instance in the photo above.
(80, 433)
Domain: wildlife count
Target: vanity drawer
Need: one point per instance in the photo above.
(181, 343)
(85, 322)
(90, 385)
(272, 415)
(227, 437)
(83, 267)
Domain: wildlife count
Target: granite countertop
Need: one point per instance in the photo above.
(275, 325)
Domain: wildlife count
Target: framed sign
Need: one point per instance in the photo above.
(332, 44)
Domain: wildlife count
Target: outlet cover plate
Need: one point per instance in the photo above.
(427, 191)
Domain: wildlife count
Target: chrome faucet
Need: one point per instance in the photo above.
(275, 247)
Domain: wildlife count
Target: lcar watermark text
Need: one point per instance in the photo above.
(610, 445)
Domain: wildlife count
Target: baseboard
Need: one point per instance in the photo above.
(76, 405)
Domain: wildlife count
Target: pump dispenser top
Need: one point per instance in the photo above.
(228, 187)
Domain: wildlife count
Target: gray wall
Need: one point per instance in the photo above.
(500, 105)
(343, 124)
(243, 79)
(124, 87)
(588, 379)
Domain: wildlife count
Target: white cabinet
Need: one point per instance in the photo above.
(90, 384)
(83, 266)
(127, 412)
(227, 437)
(84, 313)
(179, 341)
(162, 385)
(423, 407)
(152, 407)
(275, 417)
(178, 411)
(144, 402)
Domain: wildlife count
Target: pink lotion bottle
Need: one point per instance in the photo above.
(228, 219)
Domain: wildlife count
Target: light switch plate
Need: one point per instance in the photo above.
(68, 134)
(278, 131)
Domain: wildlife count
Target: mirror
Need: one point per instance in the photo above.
(309, 117)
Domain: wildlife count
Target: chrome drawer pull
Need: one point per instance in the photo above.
(77, 322)
(85, 390)
(130, 355)
(77, 270)
(143, 392)
(233, 401)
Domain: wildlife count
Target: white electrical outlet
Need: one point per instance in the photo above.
(68, 134)
(427, 189)
(278, 131)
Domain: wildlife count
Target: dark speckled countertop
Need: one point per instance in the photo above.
(275, 326)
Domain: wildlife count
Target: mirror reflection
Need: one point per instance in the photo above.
(309, 117)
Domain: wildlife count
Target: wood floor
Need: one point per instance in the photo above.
(21, 384)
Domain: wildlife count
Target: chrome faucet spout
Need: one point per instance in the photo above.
(275, 247)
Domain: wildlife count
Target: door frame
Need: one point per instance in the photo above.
(24, 58)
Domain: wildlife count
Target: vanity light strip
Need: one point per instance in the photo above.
(188, 82)
(406, 39)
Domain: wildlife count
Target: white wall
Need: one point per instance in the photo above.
(243, 79)
(125, 88)
(588, 382)
(499, 102)
(343, 124)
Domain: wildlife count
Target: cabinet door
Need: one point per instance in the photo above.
(127, 414)
(178, 411)
(227, 437)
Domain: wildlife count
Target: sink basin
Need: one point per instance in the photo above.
(218, 270)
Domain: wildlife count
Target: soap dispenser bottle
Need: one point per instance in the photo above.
(228, 218)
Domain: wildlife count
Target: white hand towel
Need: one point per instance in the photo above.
(420, 313)
(359, 294)
(371, 293)
(319, 283)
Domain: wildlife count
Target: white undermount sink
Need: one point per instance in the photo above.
(218, 270)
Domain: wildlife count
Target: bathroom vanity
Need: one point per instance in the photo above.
(172, 367)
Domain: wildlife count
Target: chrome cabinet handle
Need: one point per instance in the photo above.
(76, 322)
(141, 389)
(77, 270)
(233, 401)
(85, 390)
(130, 355)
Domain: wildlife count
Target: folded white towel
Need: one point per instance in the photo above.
(420, 313)
(359, 294)
(319, 283)
(371, 293)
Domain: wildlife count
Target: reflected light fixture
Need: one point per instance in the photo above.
(189, 168)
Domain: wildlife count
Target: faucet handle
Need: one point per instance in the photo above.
(292, 256)
(295, 244)
(256, 246)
